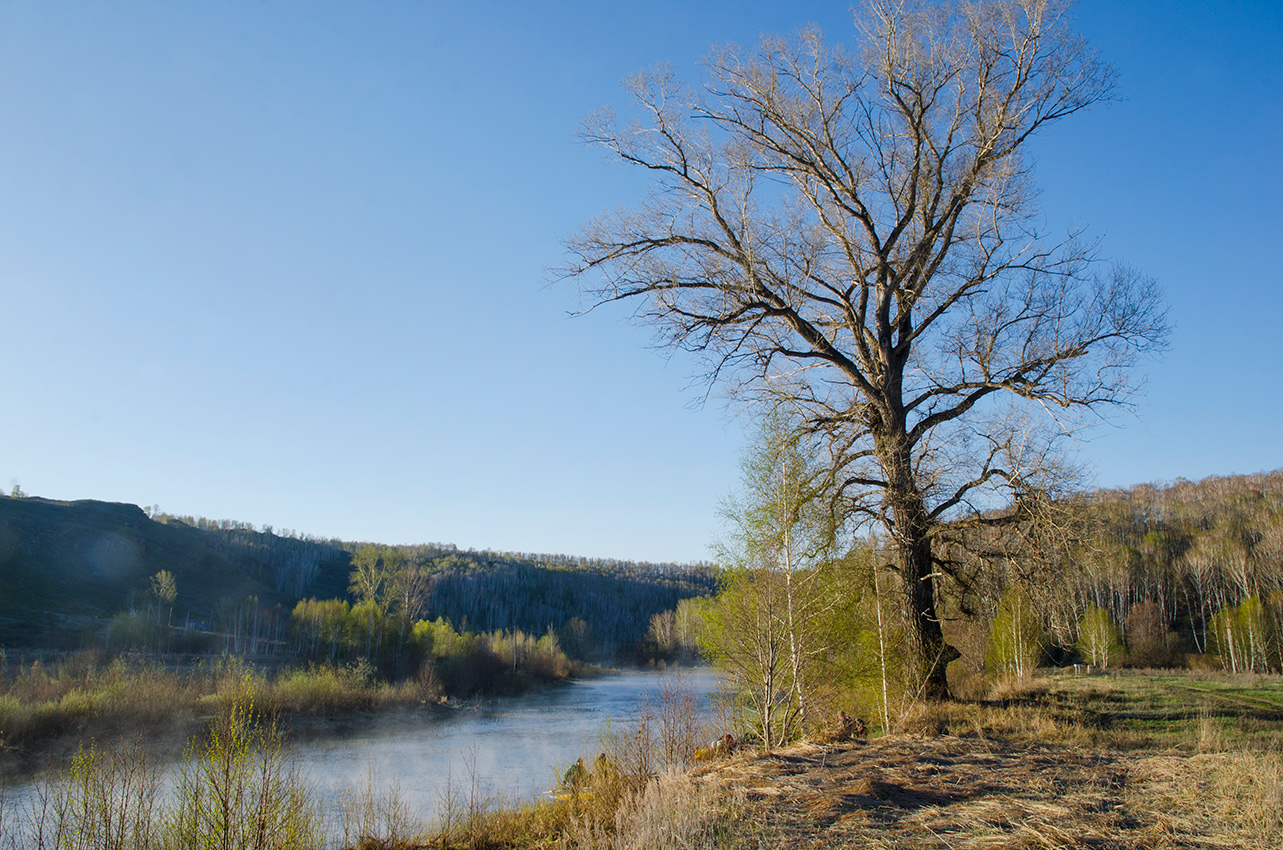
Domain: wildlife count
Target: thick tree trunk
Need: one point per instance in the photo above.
(928, 654)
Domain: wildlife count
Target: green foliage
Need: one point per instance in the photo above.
(1099, 641)
(866, 665)
(1016, 638)
(237, 789)
(164, 588)
(745, 635)
(105, 800)
(781, 518)
(768, 627)
(467, 663)
(1246, 637)
(369, 574)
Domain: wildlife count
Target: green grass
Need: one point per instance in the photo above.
(1168, 710)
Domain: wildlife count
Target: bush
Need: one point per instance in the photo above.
(237, 790)
(106, 800)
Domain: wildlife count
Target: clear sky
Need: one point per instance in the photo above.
(285, 262)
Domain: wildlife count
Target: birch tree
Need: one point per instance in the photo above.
(771, 624)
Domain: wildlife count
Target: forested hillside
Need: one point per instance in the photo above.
(1192, 567)
(75, 572)
(1155, 575)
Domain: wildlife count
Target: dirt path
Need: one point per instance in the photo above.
(953, 792)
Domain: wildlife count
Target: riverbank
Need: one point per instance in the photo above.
(368, 789)
(1151, 760)
(47, 709)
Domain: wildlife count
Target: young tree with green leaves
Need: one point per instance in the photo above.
(1016, 637)
(165, 590)
(1099, 641)
(767, 627)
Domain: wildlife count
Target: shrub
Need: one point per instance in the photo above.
(106, 800)
(237, 790)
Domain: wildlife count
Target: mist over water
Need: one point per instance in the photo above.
(517, 748)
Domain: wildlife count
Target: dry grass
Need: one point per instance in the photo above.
(1231, 798)
(377, 817)
(1126, 762)
(950, 792)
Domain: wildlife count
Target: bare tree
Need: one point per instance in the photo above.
(855, 233)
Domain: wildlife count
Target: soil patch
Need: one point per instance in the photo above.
(964, 792)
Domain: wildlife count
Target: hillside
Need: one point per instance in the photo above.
(66, 568)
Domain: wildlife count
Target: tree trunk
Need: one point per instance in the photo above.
(927, 652)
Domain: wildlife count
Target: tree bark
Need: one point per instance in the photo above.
(927, 651)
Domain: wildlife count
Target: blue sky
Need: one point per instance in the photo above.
(285, 262)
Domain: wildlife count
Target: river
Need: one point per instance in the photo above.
(512, 748)
(516, 748)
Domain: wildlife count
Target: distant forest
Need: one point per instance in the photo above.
(1187, 567)
(81, 573)
(1154, 575)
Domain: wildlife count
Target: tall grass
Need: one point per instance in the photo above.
(82, 697)
(376, 817)
(235, 790)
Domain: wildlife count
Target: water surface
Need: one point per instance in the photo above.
(517, 747)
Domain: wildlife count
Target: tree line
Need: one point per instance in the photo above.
(1187, 568)
(466, 616)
